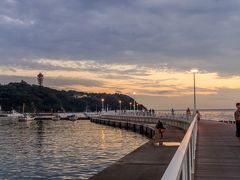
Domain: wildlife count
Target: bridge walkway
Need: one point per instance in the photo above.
(148, 162)
(218, 152)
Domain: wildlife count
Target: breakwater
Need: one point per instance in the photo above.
(148, 161)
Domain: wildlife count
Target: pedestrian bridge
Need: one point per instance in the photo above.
(205, 149)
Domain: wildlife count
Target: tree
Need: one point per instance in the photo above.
(40, 78)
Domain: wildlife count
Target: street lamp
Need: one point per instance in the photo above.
(130, 106)
(102, 104)
(120, 105)
(134, 102)
(194, 71)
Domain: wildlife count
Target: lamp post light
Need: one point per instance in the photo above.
(130, 106)
(137, 106)
(194, 71)
(102, 104)
(120, 105)
(134, 102)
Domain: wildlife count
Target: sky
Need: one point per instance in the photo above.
(142, 46)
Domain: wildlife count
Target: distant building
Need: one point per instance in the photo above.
(40, 78)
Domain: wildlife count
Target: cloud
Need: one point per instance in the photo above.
(127, 45)
(93, 66)
(180, 34)
(63, 81)
(14, 21)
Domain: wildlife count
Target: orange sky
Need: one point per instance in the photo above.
(153, 85)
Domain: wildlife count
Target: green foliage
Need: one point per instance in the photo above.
(44, 99)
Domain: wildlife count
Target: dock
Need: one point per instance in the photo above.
(218, 152)
(147, 162)
(208, 150)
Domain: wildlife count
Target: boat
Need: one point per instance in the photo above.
(72, 117)
(8, 118)
(14, 114)
(25, 117)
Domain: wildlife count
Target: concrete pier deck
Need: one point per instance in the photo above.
(148, 162)
(218, 152)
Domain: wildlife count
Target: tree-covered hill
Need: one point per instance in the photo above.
(44, 99)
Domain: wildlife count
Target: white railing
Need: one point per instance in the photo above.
(183, 163)
(175, 116)
(181, 123)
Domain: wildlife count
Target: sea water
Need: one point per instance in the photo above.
(61, 149)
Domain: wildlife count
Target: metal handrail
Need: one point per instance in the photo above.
(183, 163)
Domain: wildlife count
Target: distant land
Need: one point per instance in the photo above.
(44, 99)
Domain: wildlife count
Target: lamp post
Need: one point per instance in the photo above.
(194, 71)
(130, 106)
(102, 104)
(120, 105)
(134, 102)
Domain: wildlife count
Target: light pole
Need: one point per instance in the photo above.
(194, 71)
(130, 106)
(102, 104)
(120, 105)
(134, 102)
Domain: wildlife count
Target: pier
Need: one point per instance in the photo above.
(207, 150)
(218, 151)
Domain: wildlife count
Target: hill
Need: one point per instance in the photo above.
(44, 99)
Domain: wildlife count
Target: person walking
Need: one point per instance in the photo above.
(160, 128)
(173, 112)
(158, 134)
(198, 115)
(153, 112)
(237, 119)
(188, 113)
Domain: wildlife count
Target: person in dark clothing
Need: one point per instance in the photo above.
(161, 129)
(198, 115)
(237, 119)
(188, 113)
(172, 112)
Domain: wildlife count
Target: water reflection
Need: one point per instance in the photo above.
(102, 140)
(40, 133)
(61, 149)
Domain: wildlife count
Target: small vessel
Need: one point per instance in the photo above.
(72, 117)
(14, 114)
(6, 117)
(25, 117)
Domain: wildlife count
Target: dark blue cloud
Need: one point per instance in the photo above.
(180, 33)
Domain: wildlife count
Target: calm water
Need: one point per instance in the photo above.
(61, 149)
(218, 115)
(215, 115)
(68, 150)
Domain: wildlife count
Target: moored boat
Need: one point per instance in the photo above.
(25, 117)
(72, 117)
(8, 118)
